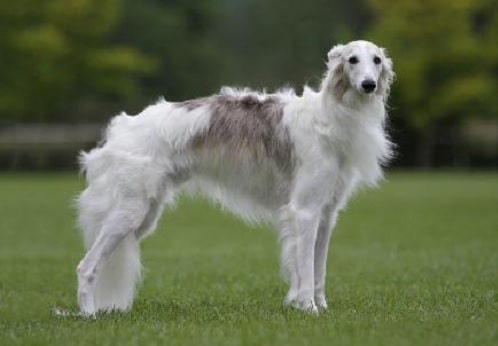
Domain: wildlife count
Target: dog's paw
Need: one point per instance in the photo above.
(290, 298)
(321, 303)
(306, 305)
(86, 303)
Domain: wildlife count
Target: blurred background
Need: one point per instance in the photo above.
(67, 66)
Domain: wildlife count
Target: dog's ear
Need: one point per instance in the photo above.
(387, 75)
(335, 56)
(337, 81)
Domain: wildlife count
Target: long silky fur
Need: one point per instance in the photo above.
(290, 160)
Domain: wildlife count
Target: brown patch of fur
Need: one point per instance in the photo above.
(250, 125)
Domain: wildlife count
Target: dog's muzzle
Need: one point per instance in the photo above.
(368, 85)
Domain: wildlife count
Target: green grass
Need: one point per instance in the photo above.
(412, 263)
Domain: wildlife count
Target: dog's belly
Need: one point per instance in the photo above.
(249, 188)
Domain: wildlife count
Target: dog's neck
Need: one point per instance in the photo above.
(352, 114)
(354, 129)
(352, 109)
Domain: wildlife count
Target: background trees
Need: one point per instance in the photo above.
(181, 36)
(84, 60)
(446, 56)
(56, 58)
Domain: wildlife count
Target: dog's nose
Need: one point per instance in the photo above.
(368, 85)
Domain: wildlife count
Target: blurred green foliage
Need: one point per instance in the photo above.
(58, 54)
(181, 35)
(446, 59)
(55, 54)
(85, 60)
(269, 43)
(446, 56)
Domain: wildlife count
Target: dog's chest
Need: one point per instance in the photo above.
(359, 151)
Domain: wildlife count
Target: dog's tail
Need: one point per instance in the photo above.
(117, 280)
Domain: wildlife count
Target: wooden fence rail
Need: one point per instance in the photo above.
(45, 147)
(48, 137)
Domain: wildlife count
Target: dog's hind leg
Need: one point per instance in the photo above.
(154, 213)
(108, 273)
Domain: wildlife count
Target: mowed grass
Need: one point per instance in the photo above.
(414, 262)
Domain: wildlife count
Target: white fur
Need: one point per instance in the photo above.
(339, 143)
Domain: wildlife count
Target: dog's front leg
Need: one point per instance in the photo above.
(327, 223)
(301, 218)
(305, 225)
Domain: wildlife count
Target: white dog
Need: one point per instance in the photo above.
(291, 160)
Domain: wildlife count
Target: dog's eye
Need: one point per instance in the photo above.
(353, 60)
(377, 60)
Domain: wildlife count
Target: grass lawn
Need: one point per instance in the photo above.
(412, 263)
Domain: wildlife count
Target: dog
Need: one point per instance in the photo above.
(290, 160)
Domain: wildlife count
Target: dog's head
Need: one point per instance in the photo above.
(360, 66)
